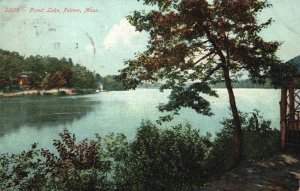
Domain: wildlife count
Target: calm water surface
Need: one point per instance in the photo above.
(27, 120)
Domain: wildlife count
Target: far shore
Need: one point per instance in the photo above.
(41, 92)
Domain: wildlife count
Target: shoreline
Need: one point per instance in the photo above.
(39, 92)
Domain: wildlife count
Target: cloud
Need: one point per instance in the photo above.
(121, 33)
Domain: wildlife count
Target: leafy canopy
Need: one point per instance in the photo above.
(44, 72)
(192, 42)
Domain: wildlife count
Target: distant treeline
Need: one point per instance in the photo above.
(111, 84)
(150, 86)
(246, 83)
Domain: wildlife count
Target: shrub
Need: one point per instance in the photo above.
(260, 142)
(77, 166)
(24, 171)
(176, 158)
(159, 159)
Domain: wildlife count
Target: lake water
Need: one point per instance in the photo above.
(25, 120)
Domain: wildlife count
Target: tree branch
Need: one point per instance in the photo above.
(204, 57)
(215, 45)
(212, 71)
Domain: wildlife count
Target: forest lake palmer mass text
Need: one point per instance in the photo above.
(51, 10)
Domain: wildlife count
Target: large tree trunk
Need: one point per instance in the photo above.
(236, 118)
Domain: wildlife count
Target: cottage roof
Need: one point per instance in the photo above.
(23, 76)
(295, 62)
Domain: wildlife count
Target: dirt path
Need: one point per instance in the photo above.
(277, 174)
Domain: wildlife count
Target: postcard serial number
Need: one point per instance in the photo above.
(12, 10)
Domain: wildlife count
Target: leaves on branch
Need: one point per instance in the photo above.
(194, 42)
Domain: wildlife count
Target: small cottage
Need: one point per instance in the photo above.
(23, 80)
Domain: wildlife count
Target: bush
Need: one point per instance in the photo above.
(24, 171)
(177, 158)
(77, 166)
(260, 142)
(159, 159)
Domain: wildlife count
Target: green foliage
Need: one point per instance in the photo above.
(44, 72)
(11, 64)
(23, 171)
(196, 42)
(176, 158)
(280, 74)
(80, 166)
(110, 83)
(58, 79)
(77, 166)
(193, 43)
(246, 83)
(260, 142)
(82, 78)
(159, 159)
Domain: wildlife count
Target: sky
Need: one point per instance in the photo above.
(103, 39)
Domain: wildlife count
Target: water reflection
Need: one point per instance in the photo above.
(26, 120)
(39, 112)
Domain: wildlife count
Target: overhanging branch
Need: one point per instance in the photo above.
(204, 57)
(212, 71)
(215, 45)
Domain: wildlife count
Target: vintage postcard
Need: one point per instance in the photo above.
(149, 94)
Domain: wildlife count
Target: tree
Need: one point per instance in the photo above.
(37, 67)
(57, 80)
(110, 83)
(196, 42)
(83, 78)
(10, 67)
